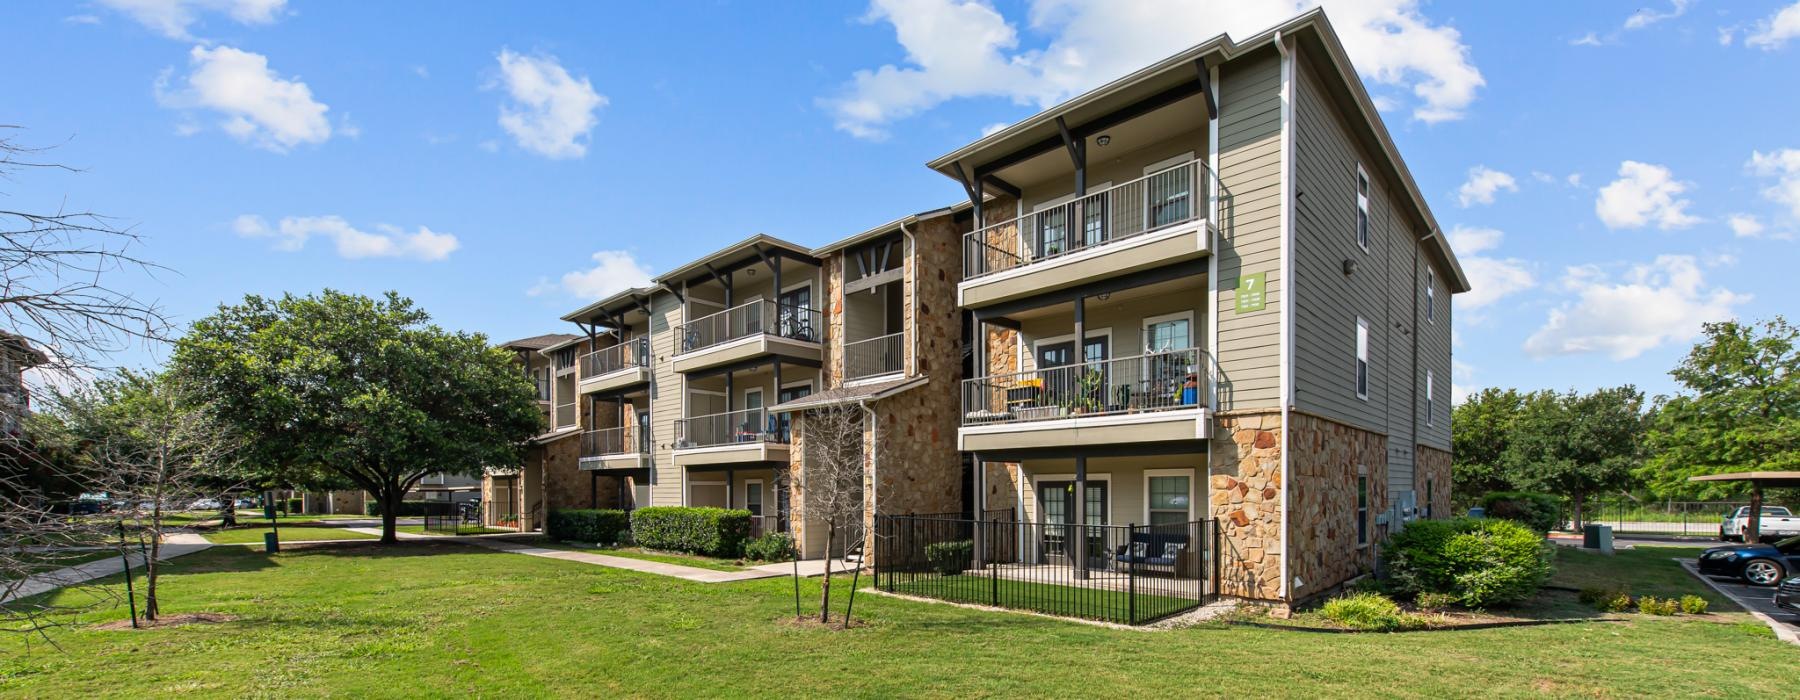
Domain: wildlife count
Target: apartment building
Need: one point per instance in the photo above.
(549, 477)
(1208, 291)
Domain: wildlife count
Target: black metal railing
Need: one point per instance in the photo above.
(503, 511)
(631, 353)
(1159, 381)
(628, 439)
(875, 356)
(1683, 518)
(1159, 200)
(758, 317)
(752, 425)
(452, 518)
(1130, 574)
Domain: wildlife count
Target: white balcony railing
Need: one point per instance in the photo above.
(757, 317)
(1156, 201)
(604, 442)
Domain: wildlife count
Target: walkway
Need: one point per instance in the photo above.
(174, 545)
(503, 542)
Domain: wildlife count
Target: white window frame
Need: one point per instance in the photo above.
(1430, 401)
(762, 492)
(1192, 476)
(1359, 380)
(1364, 501)
(1149, 321)
(1430, 295)
(1365, 221)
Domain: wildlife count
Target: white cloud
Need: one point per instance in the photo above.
(614, 271)
(1745, 225)
(1644, 194)
(1482, 184)
(1490, 278)
(1574, 179)
(292, 233)
(172, 18)
(549, 112)
(1774, 32)
(1645, 17)
(1462, 381)
(1666, 300)
(1784, 166)
(1588, 39)
(258, 106)
(967, 49)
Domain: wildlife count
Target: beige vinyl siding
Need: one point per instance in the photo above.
(1435, 354)
(666, 399)
(1249, 352)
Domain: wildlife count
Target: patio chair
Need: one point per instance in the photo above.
(1157, 550)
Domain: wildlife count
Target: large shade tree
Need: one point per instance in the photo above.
(1481, 428)
(1740, 410)
(1576, 444)
(360, 388)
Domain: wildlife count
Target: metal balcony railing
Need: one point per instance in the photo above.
(624, 440)
(631, 353)
(1159, 200)
(875, 356)
(1159, 381)
(542, 384)
(751, 425)
(757, 317)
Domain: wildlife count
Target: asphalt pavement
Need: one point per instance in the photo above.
(1759, 600)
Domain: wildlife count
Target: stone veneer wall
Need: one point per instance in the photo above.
(1324, 462)
(566, 485)
(1433, 464)
(1245, 496)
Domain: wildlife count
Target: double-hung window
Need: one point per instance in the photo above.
(1430, 296)
(1362, 359)
(1430, 405)
(1362, 208)
(1362, 510)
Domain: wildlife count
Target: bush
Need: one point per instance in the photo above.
(408, 509)
(1693, 605)
(950, 558)
(1607, 598)
(1540, 512)
(1651, 605)
(775, 546)
(1366, 611)
(295, 505)
(586, 525)
(717, 532)
(1480, 562)
(1431, 601)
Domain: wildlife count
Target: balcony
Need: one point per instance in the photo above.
(1156, 397)
(749, 331)
(1145, 223)
(626, 447)
(735, 437)
(564, 416)
(619, 367)
(874, 357)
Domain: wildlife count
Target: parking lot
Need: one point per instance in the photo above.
(1756, 599)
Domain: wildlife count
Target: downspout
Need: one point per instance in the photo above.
(912, 291)
(1287, 304)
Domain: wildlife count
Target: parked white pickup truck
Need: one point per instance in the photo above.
(1776, 522)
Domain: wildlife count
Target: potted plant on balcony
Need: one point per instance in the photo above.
(1088, 394)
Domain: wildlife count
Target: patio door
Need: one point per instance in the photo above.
(753, 502)
(1056, 506)
(794, 309)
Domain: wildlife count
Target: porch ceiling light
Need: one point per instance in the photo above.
(1103, 139)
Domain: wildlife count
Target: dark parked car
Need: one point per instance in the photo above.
(1787, 596)
(1760, 564)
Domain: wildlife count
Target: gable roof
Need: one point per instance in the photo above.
(539, 342)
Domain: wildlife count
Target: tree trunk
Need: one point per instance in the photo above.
(1575, 518)
(825, 583)
(390, 507)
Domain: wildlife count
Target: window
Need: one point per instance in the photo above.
(1169, 500)
(1429, 405)
(1430, 296)
(1362, 208)
(1362, 359)
(1428, 485)
(1362, 510)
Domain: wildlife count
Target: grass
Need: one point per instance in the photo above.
(466, 530)
(1643, 569)
(694, 560)
(434, 619)
(298, 532)
(51, 561)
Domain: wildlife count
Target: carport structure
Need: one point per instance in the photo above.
(1758, 480)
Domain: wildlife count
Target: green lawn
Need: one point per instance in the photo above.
(298, 532)
(1644, 570)
(51, 561)
(1051, 599)
(694, 560)
(427, 619)
(466, 530)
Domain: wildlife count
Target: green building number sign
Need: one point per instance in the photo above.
(1250, 292)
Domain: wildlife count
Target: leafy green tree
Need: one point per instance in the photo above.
(1577, 445)
(1481, 428)
(365, 389)
(1740, 410)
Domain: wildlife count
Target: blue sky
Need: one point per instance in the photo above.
(1613, 173)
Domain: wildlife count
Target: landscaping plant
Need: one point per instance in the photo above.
(1540, 512)
(1370, 612)
(716, 532)
(1432, 601)
(950, 558)
(1607, 598)
(772, 547)
(1481, 562)
(1693, 605)
(586, 525)
(1652, 605)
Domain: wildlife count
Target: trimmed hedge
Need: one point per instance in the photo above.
(717, 532)
(775, 546)
(950, 558)
(587, 525)
(408, 509)
(1482, 562)
(295, 505)
(1539, 511)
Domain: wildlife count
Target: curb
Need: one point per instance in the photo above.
(1782, 632)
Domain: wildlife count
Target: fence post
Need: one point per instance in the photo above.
(1131, 572)
(993, 569)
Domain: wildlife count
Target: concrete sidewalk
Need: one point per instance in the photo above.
(175, 545)
(811, 568)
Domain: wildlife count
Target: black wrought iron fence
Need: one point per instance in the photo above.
(1130, 574)
(452, 518)
(1679, 518)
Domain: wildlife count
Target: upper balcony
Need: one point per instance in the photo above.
(750, 331)
(1158, 219)
(1154, 397)
(616, 368)
(870, 358)
(735, 437)
(625, 447)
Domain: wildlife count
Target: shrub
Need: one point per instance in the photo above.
(717, 532)
(586, 525)
(1693, 605)
(1480, 562)
(1540, 512)
(408, 509)
(1432, 601)
(295, 505)
(1365, 611)
(950, 558)
(1651, 605)
(1607, 598)
(775, 546)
